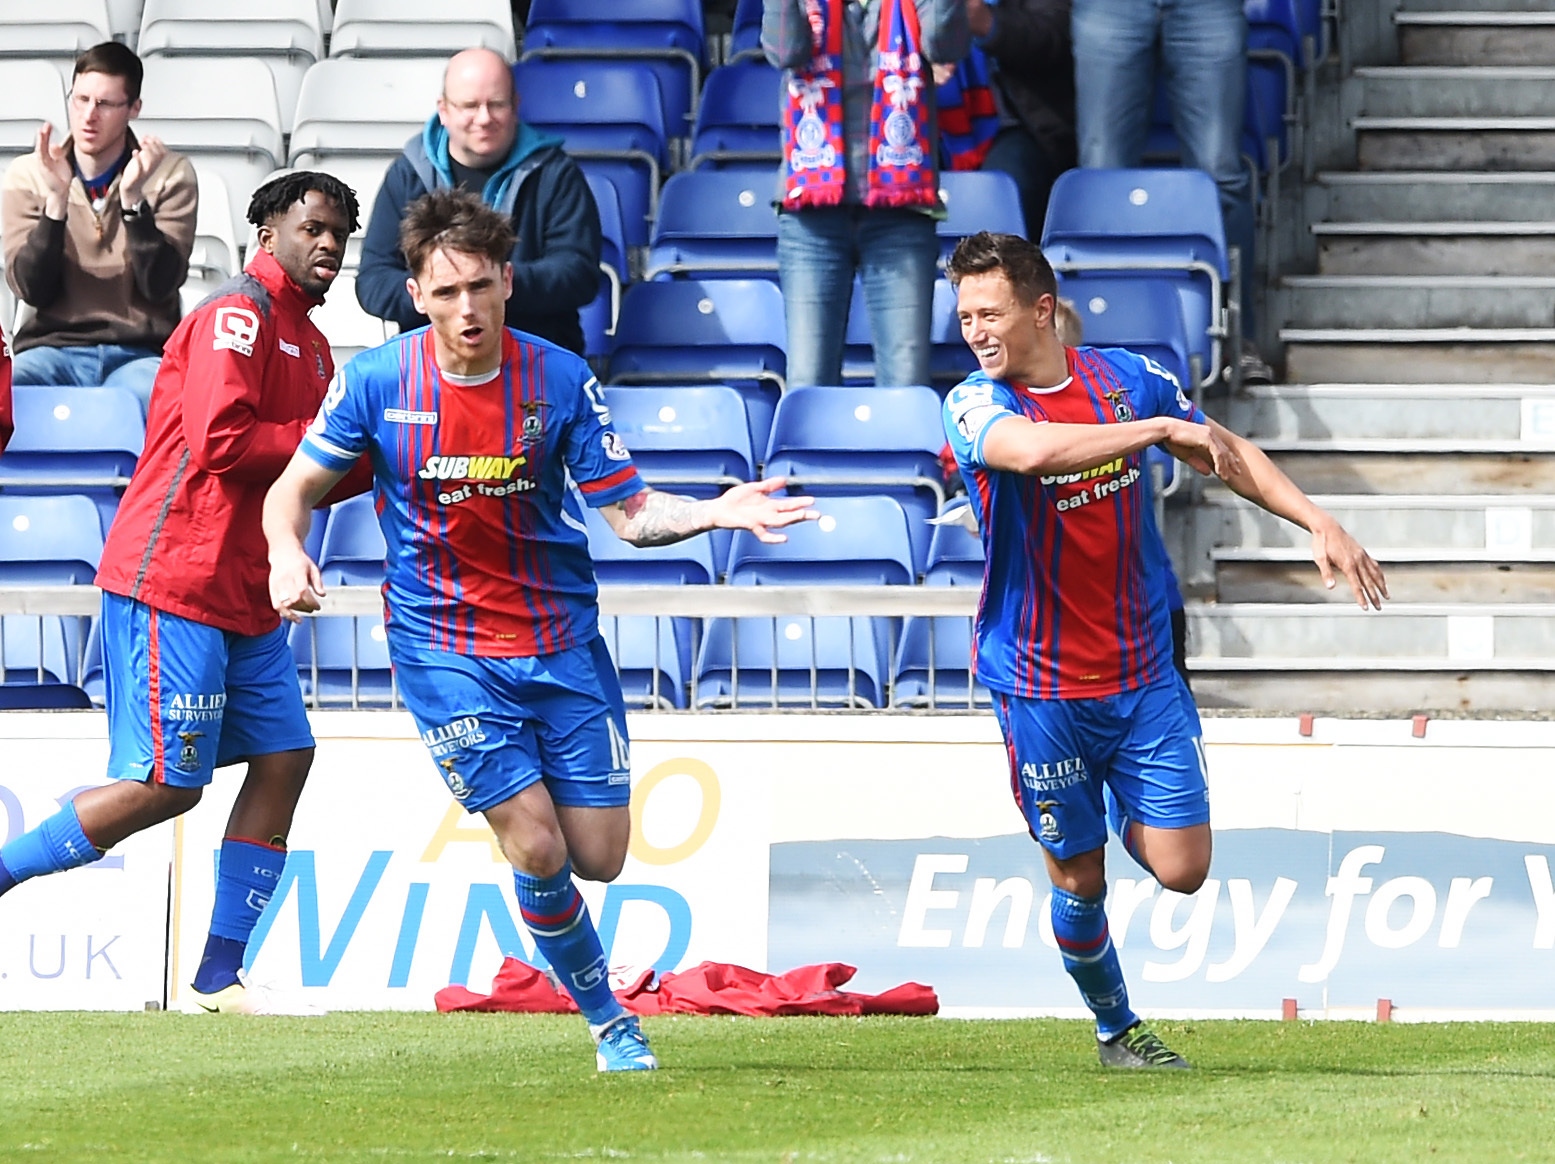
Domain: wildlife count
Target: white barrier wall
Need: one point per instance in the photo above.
(1355, 864)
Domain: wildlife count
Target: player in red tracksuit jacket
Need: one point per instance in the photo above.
(198, 671)
(5, 392)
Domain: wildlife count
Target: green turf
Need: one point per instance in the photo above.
(372, 1087)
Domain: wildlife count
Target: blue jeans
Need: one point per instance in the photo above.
(894, 253)
(90, 365)
(1200, 47)
(1016, 153)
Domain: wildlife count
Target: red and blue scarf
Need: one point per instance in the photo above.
(968, 113)
(901, 164)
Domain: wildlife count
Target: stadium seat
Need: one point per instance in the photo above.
(793, 662)
(692, 438)
(223, 114)
(977, 200)
(362, 107)
(835, 442)
(353, 552)
(59, 30)
(723, 331)
(933, 666)
(664, 35)
(49, 696)
(40, 649)
(1276, 26)
(1156, 222)
(1142, 314)
(857, 541)
(124, 20)
(344, 661)
(284, 34)
(950, 360)
(215, 257)
(715, 223)
(611, 119)
(31, 93)
(406, 28)
(82, 441)
(600, 315)
(745, 38)
(650, 663)
(955, 553)
(49, 541)
(347, 327)
(738, 121)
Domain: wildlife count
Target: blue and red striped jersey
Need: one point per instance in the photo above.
(1073, 604)
(473, 484)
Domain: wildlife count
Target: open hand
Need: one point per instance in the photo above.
(55, 163)
(296, 587)
(147, 156)
(752, 506)
(1334, 549)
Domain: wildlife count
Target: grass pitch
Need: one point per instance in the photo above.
(374, 1087)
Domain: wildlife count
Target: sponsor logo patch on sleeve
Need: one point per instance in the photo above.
(236, 329)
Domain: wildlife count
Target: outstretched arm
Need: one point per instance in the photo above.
(295, 583)
(651, 518)
(1263, 483)
(1017, 445)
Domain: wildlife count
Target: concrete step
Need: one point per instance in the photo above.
(1395, 468)
(1523, 414)
(1288, 575)
(1453, 247)
(1348, 686)
(1409, 636)
(1455, 143)
(1510, 356)
(1457, 91)
(1437, 527)
(1429, 301)
(1476, 38)
(1437, 196)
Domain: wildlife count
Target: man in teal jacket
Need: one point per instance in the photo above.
(476, 142)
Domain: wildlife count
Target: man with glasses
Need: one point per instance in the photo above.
(476, 142)
(98, 229)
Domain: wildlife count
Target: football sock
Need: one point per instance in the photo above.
(554, 912)
(54, 846)
(247, 873)
(1080, 925)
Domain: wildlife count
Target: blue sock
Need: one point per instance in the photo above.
(1080, 925)
(246, 875)
(54, 846)
(557, 918)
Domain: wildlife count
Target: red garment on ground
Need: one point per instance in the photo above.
(709, 988)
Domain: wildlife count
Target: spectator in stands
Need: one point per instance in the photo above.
(859, 191)
(1201, 46)
(1010, 106)
(98, 230)
(476, 142)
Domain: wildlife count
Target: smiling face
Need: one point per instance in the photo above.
(479, 108)
(464, 295)
(1008, 337)
(308, 241)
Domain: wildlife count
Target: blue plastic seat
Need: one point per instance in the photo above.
(745, 38)
(354, 551)
(666, 36)
(1277, 26)
(955, 554)
(74, 440)
(1163, 223)
(793, 662)
(933, 666)
(610, 117)
(720, 331)
(650, 660)
(977, 200)
(856, 541)
(693, 438)
(715, 223)
(851, 441)
(329, 648)
(1142, 314)
(49, 541)
(43, 697)
(738, 123)
(599, 316)
(41, 648)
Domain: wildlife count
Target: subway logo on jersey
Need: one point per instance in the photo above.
(439, 468)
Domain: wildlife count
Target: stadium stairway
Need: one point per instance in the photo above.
(1420, 408)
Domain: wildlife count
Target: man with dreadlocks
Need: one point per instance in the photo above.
(198, 670)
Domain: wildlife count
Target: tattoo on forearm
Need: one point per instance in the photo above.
(659, 519)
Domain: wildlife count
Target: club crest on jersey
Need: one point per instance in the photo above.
(1121, 411)
(318, 360)
(455, 782)
(533, 428)
(1047, 824)
(188, 755)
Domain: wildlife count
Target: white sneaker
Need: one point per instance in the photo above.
(246, 997)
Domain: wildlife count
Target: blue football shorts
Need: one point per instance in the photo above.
(1145, 746)
(185, 698)
(496, 725)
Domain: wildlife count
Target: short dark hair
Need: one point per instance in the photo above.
(454, 220)
(116, 60)
(275, 197)
(1018, 260)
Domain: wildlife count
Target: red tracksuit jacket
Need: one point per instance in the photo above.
(5, 392)
(242, 377)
